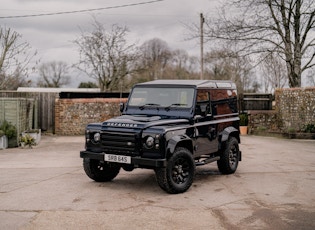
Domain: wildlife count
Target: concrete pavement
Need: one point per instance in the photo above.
(46, 188)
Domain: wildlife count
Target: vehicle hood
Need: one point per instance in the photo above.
(139, 121)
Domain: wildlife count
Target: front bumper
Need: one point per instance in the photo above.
(136, 161)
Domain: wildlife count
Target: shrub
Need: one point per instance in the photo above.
(309, 128)
(28, 140)
(8, 129)
(243, 119)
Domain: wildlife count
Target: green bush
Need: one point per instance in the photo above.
(243, 119)
(309, 128)
(8, 129)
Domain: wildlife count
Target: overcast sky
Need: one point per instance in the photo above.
(52, 36)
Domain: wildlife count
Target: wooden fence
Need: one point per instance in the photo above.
(44, 104)
(44, 107)
(255, 101)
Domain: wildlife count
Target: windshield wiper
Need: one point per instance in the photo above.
(148, 105)
(175, 104)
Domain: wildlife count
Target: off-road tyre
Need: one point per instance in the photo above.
(179, 173)
(100, 171)
(229, 157)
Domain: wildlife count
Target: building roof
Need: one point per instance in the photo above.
(56, 90)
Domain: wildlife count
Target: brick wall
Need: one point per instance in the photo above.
(72, 115)
(294, 108)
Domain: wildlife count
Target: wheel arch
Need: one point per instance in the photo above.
(179, 141)
(229, 131)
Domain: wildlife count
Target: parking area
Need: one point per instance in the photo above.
(46, 188)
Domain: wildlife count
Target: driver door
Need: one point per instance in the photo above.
(205, 130)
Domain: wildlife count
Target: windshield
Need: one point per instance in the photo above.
(164, 97)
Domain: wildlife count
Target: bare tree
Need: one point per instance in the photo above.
(227, 65)
(158, 61)
(155, 56)
(311, 77)
(106, 56)
(285, 27)
(274, 73)
(53, 74)
(15, 56)
(183, 66)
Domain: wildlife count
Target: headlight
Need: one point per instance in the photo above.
(149, 142)
(97, 137)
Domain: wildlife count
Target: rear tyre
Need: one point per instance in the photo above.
(100, 171)
(229, 157)
(179, 173)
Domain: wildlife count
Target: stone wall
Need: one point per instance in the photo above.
(263, 120)
(294, 108)
(72, 115)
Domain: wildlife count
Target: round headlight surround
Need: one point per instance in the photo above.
(149, 142)
(97, 137)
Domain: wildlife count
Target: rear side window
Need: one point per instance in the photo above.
(203, 103)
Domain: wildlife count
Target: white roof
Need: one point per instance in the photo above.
(56, 90)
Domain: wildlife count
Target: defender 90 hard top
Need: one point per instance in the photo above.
(170, 126)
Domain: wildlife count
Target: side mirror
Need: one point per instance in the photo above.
(121, 106)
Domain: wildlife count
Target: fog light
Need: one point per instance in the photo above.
(97, 137)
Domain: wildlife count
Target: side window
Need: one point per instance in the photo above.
(203, 106)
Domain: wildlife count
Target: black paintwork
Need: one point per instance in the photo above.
(202, 133)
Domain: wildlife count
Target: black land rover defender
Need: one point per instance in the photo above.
(170, 126)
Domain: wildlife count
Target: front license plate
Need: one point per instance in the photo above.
(117, 158)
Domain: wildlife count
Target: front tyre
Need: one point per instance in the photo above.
(230, 156)
(100, 171)
(179, 173)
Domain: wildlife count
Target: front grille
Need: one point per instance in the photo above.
(119, 143)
